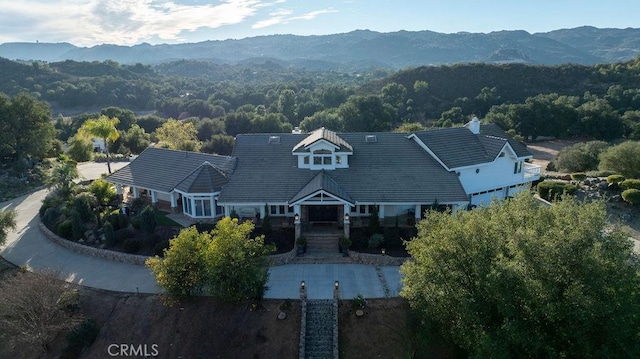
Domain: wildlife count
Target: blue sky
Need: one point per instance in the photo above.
(130, 22)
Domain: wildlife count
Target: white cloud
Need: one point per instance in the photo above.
(90, 22)
(282, 17)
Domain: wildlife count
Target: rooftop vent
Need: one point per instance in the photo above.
(370, 138)
(274, 139)
(296, 130)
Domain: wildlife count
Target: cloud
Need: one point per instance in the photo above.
(282, 17)
(90, 22)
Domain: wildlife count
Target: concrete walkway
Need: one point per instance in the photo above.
(27, 246)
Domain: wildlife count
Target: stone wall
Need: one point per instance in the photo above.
(91, 251)
(376, 259)
(273, 260)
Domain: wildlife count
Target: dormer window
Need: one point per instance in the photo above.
(323, 150)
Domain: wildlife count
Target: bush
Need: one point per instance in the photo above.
(132, 245)
(615, 179)
(51, 217)
(600, 173)
(64, 229)
(578, 176)
(137, 205)
(359, 302)
(50, 201)
(376, 240)
(630, 183)
(122, 234)
(159, 248)
(632, 196)
(77, 226)
(80, 337)
(551, 191)
(580, 157)
(623, 159)
(136, 222)
(109, 235)
(82, 205)
(148, 221)
(345, 242)
(392, 237)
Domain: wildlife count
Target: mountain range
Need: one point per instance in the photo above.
(363, 48)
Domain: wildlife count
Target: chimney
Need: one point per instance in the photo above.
(296, 131)
(474, 126)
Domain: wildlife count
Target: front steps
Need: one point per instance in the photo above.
(322, 247)
(319, 331)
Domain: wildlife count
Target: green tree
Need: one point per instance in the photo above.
(103, 191)
(61, 178)
(80, 149)
(366, 113)
(26, 129)
(136, 139)
(580, 157)
(179, 135)
(148, 221)
(219, 144)
(623, 158)
(236, 264)
(409, 127)
(182, 272)
(517, 279)
(103, 128)
(7, 222)
(287, 106)
(327, 118)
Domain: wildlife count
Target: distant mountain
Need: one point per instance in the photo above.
(364, 48)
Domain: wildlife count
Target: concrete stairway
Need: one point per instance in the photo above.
(322, 247)
(319, 337)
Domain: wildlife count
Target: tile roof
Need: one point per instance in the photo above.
(207, 178)
(162, 169)
(322, 182)
(459, 147)
(393, 169)
(323, 134)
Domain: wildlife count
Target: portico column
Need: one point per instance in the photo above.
(119, 191)
(418, 213)
(154, 197)
(381, 211)
(136, 193)
(296, 225)
(174, 202)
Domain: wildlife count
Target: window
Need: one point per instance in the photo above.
(278, 210)
(517, 168)
(362, 209)
(322, 158)
(338, 160)
(273, 210)
(305, 160)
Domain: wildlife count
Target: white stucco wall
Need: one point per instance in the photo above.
(496, 174)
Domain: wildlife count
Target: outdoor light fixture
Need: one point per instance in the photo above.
(336, 285)
(384, 251)
(346, 216)
(302, 285)
(296, 217)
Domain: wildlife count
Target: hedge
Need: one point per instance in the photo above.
(630, 183)
(550, 190)
(632, 196)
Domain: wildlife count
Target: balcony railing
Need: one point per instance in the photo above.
(532, 172)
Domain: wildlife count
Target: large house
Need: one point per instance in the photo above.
(324, 176)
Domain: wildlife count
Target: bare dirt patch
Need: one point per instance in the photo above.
(544, 152)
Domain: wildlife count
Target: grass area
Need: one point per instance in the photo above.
(163, 220)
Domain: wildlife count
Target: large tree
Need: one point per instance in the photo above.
(179, 135)
(104, 128)
(366, 113)
(225, 263)
(26, 129)
(518, 279)
(623, 159)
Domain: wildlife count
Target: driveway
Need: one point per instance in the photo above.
(27, 246)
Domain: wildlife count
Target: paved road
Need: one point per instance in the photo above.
(27, 246)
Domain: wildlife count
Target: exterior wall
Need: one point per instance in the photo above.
(490, 176)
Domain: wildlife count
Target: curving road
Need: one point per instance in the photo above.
(27, 246)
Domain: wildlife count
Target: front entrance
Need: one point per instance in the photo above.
(323, 213)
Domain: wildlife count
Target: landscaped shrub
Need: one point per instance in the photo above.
(109, 235)
(51, 217)
(630, 183)
(136, 222)
(359, 302)
(374, 220)
(148, 221)
(123, 220)
(132, 245)
(376, 240)
(137, 205)
(77, 226)
(615, 179)
(600, 173)
(550, 190)
(266, 221)
(632, 196)
(578, 176)
(392, 237)
(159, 248)
(64, 229)
(51, 200)
(81, 336)
(82, 205)
(122, 234)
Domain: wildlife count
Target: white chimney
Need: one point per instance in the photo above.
(474, 126)
(296, 131)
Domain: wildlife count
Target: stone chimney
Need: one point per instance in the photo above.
(474, 126)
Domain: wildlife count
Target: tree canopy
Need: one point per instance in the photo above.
(225, 263)
(7, 222)
(518, 279)
(623, 159)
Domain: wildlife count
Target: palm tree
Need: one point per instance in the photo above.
(102, 127)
